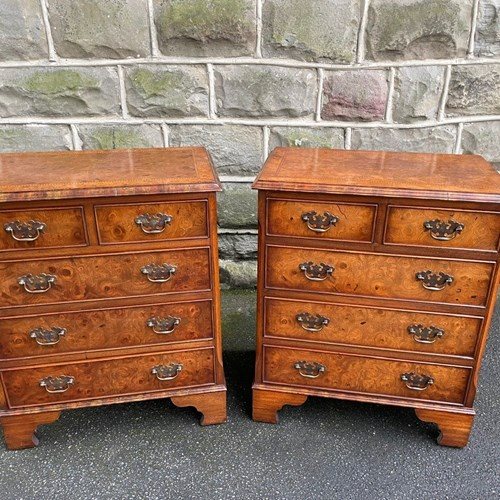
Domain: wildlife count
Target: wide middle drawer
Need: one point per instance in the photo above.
(358, 374)
(376, 275)
(402, 330)
(113, 377)
(92, 277)
(86, 330)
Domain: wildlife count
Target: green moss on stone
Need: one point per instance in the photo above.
(108, 138)
(59, 81)
(150, 84)
(205, 19)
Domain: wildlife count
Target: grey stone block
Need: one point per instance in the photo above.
(417, 91)
(74, 91)
(306, 137)
(235, 149)
(237, 206)
(239, 274)
(112, 29)
(120, 136)
(425, 140)
(418, 29)
(238, 246)
(323, 30)
(35, 138)
(206, 27)
(474, 90)
(265, 91)
(354, 95)
(482, 138)
(169, 91)
(487, 43)
(22, 33)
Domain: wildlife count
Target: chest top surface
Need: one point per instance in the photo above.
(86, 174)
(380, 173)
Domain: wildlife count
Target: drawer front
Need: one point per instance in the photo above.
(357, 374)
(372, 327)
(442, 228)
(377, 275)
(151, 221)
(114, 377)
(331, 221)
(42, 228)
(53, 334)
(104, 277)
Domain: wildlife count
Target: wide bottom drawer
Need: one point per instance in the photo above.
(114, 377)
(357, 374)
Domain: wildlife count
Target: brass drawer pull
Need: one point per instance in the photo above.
(37, 283)
(434, 281)
(416, 382)
(443, 230)
(312, 322)
(309, 369)
(153, 223)
(319, 223)
(163, 326)
(158, 273)
(316, 272)
(56, 385)
(48, 337)
(25, 231)
(425, 334)
(166, 372)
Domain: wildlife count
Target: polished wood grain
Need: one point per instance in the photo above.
(98, 329)
(116, 224)
(110, 377)
(365, 375)
(405, 226)
(19, 431)
(65, 227)
(267, 403)
(120, 172)
(454, 428)
(356, 320)
(375, 275)
(374, 327)
(211, 405)
(355, 222)
(380, 173)
(104, 277)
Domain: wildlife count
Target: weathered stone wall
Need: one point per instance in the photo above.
(244, 76)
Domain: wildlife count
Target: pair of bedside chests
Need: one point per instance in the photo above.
(377, 279)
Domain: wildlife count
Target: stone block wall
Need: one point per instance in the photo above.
(244, 76)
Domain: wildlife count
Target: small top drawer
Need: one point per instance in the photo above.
(42, 228)
(138, 222)
(328, 220)
(437, 227)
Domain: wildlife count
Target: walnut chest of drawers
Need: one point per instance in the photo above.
(377, 278)
(109, 284)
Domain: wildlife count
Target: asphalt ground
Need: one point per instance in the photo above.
(325, 449)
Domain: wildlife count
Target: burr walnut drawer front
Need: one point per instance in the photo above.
(47, 281)
(375, 275)
(60, 383)
(42, 228)
(134, 222)
(328, 220)
(402, 330)
(363, 375)
(442, 228)
(87, 330)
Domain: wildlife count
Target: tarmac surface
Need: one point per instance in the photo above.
(324, 449)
